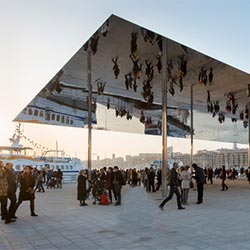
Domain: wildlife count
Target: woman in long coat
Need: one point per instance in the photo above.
(185, 184)
(27, 192)
(81, 187)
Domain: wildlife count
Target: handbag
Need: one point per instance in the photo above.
(191, 184)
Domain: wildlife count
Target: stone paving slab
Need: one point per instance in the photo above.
(221, 222)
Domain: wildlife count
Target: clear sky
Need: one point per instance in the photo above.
(39, 36)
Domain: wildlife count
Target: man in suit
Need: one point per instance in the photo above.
(174, 188)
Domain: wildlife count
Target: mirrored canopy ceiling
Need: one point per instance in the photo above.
(126, 68)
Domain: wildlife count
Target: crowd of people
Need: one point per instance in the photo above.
(8, 188)
(29, 181)
(104, 185)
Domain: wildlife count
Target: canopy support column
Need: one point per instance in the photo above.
(192, 128)
(248, 134)
(89, 111)
(164, 117)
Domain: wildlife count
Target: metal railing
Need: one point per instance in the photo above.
(69, 177)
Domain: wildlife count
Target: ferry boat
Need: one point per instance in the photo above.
(21, 156)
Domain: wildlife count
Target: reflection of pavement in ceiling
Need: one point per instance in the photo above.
(111, 53)
(208, 128)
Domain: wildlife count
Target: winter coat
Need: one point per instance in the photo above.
(186, 178)
(109, 180)
(4, 186)
(199, 175)
(27, 183)
(173, 178)
(81, 187)
(118, 178)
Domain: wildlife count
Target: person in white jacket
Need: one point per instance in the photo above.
(185, 177)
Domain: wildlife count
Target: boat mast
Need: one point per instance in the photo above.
(56, 149)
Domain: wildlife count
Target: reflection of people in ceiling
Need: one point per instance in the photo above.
(136, 68)
(100, 87)
(147, 93)
(133, 45)
(108, 103)
(148, 35)
(55, 83)
(159, 64)
(149, 70)
(105, 28)
(159, 42)
(93, 42)
(142, 118)
(116, 68)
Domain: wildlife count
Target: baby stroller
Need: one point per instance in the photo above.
(51, 183)
(104, 198)
(97, 190)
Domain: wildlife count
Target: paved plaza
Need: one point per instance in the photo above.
(222, 222)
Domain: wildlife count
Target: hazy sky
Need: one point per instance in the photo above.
(39, 36)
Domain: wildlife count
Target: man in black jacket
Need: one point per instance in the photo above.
(118, 181)
(174, 188)
(200, 180)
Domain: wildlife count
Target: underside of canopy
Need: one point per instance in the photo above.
(126, 69)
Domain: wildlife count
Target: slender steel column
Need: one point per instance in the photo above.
(89, 111)
(192, 127)
(164, 117)
(248, 134)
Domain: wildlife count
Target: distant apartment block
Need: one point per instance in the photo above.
(229, 157)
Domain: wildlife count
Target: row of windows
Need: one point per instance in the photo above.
(62, 167)
(49, 116)
(18, 167)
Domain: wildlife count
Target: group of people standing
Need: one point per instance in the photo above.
(102, 184)
(8, 187)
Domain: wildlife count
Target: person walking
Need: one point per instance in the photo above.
(185, 184)
(4, 186)
(27, 192)
(59, 178)
(200, 180)
(223, 176)
(210, 175)
(158, 177)
(174, 188)
(39, 182)
(151, 180)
